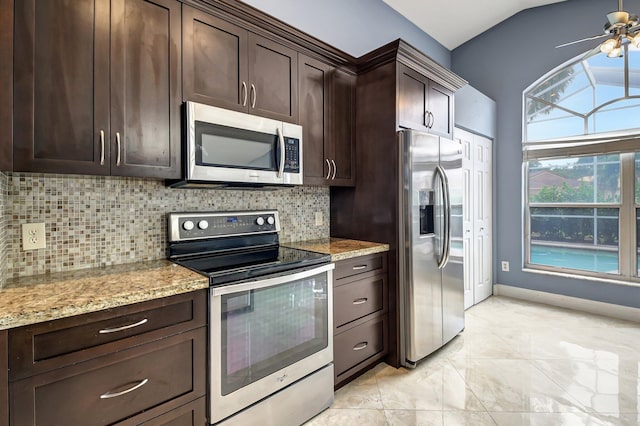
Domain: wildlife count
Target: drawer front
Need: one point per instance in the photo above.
(192, 414)
(54, 344)
(360, 265)
(359, 343)
(358, 299)
(114, 387)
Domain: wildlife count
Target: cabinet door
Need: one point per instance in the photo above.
(315, 119)
(214, 60)
(6, 87)
(4, 379)
(273, 79)
(145, 88)
(61, 84)
(441, 107)
(343, 136)
(413, 89)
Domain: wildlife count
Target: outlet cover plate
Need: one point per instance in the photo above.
(33, 236)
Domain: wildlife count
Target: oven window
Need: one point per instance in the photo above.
(236, 148)
(268, 329)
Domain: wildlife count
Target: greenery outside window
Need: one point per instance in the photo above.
(581, 169)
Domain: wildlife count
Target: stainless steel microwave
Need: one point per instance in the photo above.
(230, 148)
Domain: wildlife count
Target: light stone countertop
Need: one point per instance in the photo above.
(39, 298)
(340, 248)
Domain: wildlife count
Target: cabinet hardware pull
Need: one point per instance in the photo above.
(431, 120)
(138, 385)
(334, 170)
(244, 94)
(359, 267)
(360, 346)
(124, 327)
(254, 95)
(102, 147)
(360, 301)
(328, 168)
(118, 147)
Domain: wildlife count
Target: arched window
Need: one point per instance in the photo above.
(581, 134)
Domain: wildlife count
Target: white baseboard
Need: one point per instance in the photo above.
(591, 306)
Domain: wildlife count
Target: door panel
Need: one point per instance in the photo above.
(423, 291)
(483, 225)
(61, 78)
(453, 272)
(273, 74)
(315, 119)
(213, 47)
(412, 99)
(441, 106)
(467, 166)
(145, 95)
(343, 137)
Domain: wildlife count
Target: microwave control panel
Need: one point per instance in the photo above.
(291, 155)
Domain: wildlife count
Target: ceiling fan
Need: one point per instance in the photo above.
(621, 28)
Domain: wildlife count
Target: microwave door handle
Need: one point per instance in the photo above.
(281, 140)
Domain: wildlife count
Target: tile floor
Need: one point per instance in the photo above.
(516, 363)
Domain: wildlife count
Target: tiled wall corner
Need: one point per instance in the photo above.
(4, 224)
(98, 221)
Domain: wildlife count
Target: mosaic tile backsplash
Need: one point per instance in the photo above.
(94, 221)
(4, 223)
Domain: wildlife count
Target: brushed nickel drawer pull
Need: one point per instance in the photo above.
(360, 301)
(124, 327)
(359, 267)
(360, 346)
(124, 392)
(243, 93)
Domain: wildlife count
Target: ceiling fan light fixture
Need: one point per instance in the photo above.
(615, 53)
(635, 40)
(609, 45)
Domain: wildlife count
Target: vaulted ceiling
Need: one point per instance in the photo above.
(453, 22)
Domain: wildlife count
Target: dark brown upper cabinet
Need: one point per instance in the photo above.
(424, 104)
(327, 97)
(97, 87)
(230, 67)
(6, 88)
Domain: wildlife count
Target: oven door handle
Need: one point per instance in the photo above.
(270, 282)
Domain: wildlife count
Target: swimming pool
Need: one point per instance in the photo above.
(575, 258)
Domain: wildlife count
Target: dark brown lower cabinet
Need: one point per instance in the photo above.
(146, 380)
(4, 373)
(360, 306)
(191, 414)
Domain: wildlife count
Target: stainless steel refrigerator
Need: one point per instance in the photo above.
(431, 185)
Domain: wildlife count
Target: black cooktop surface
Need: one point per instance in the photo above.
(235, 266)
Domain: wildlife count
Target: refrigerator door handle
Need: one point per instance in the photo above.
(446, 247)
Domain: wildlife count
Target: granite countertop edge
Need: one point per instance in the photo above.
(340, 248)
(40, 298)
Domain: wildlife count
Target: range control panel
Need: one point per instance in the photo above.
(200, 225)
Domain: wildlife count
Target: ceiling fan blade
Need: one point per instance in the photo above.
(581, 40)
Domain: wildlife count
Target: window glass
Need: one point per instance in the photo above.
(593, 179)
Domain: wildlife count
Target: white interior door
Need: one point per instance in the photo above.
(466, 140)
(482, 232)
(477, 232)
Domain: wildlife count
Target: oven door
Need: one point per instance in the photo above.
(266, 335)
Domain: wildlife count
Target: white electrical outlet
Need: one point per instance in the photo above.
(318, 218)
(33, 236)
(505, 266)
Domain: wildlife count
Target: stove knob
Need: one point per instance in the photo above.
(203, 224)
(260, 221)
(271, 220)
(187, 225)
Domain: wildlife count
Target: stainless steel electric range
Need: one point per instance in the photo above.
(271, 317)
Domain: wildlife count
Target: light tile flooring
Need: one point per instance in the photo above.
(516, 363)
